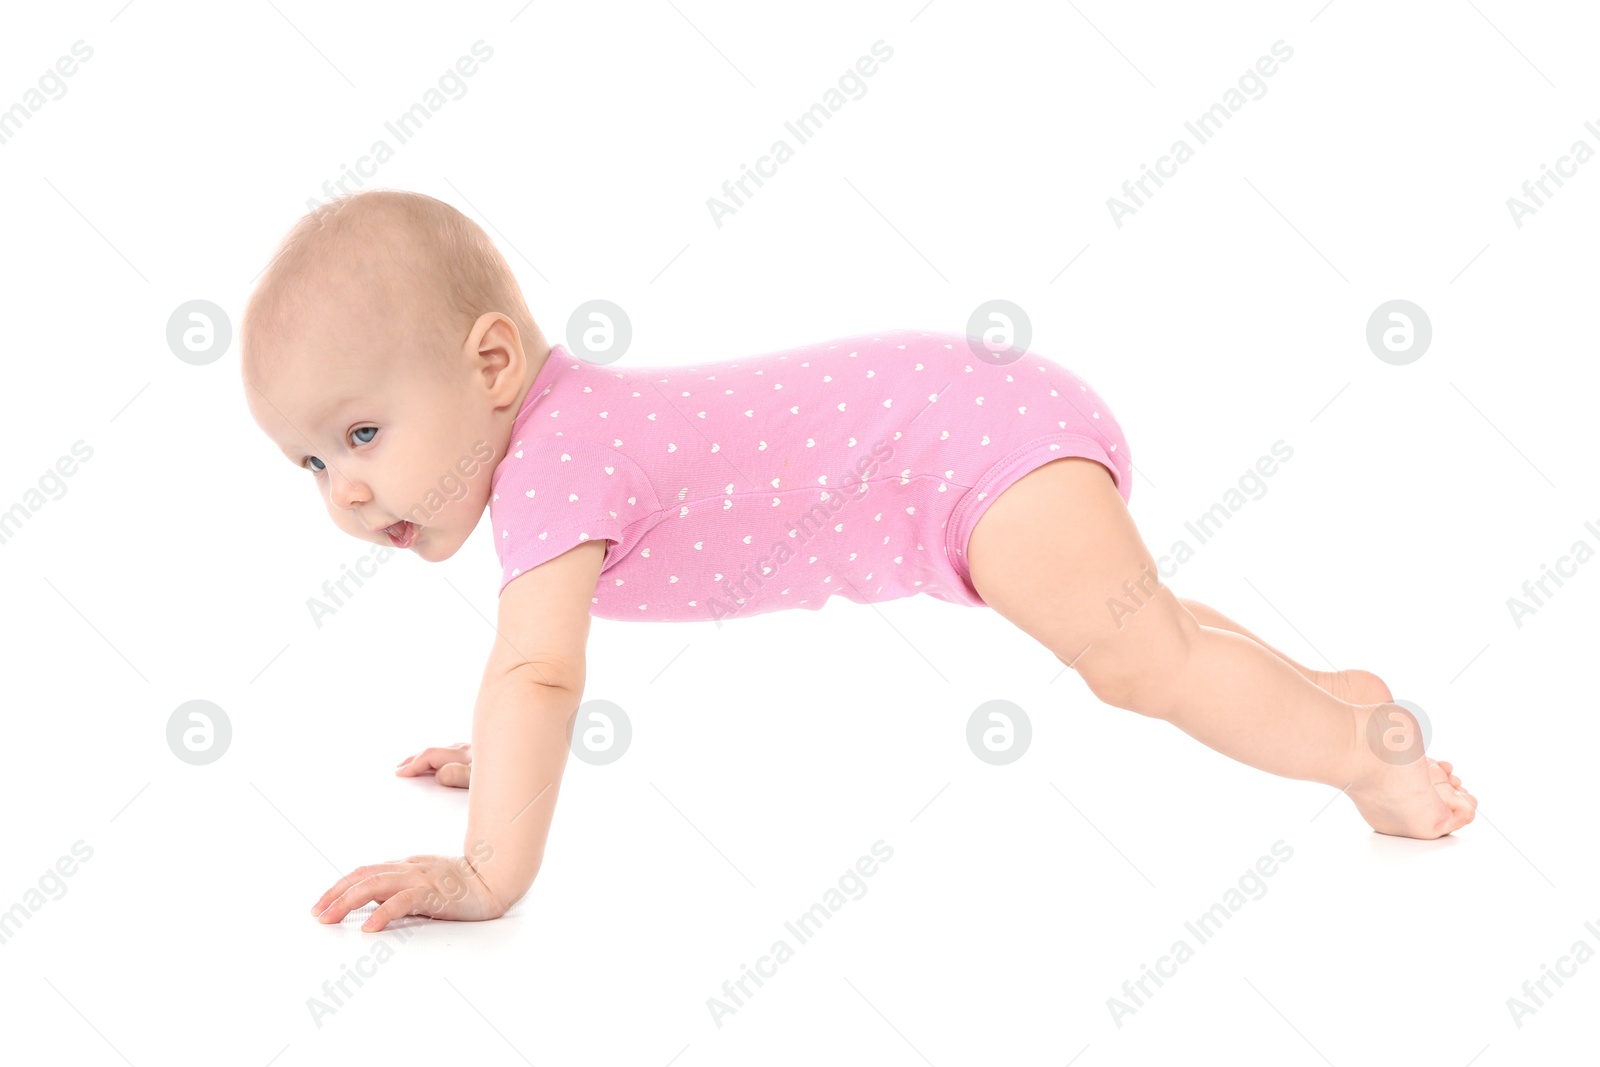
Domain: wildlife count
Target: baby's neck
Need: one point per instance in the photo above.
(535, 364)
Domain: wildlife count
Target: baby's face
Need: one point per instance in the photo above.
(400, 452)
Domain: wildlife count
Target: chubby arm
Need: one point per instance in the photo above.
(531, 689)
(521, 727)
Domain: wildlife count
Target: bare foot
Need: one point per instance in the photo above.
(1421, 798)
(1354, 686)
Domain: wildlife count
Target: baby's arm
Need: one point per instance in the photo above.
(530, 691)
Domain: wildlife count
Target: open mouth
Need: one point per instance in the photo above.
(402, 534)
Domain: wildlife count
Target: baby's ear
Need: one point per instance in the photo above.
(494, 348)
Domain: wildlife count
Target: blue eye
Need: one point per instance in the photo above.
(320, 466)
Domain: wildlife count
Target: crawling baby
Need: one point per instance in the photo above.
(387, 346)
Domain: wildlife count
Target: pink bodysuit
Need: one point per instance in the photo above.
(854, 467)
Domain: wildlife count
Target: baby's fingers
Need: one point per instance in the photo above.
(430, 760)
(328, 906)
(406, 902)
(458, 775)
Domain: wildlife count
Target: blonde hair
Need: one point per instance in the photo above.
(424, 246)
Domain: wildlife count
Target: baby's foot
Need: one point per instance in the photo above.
(1355, 686)
(1422, 798)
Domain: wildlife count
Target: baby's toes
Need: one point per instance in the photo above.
(1456, 796)
(1440, 772)
(1463, 807)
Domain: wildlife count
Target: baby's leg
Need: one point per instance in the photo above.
(1058, 554)
(1354, 686)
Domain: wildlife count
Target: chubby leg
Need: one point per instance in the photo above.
(1058, 555)
(1353, 686)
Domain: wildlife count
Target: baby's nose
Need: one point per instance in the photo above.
(343, 493)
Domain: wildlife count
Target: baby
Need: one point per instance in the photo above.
(388, 348)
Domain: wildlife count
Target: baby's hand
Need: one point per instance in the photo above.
(449, 766)
(443, 887)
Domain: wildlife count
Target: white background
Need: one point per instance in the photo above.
(768, 755)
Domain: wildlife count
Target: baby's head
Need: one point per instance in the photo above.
(386, 350)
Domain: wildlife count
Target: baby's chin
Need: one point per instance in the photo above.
(435, 544)
(436, 540)
(433, 552)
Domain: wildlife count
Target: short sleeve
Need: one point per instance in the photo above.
(552, 493)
